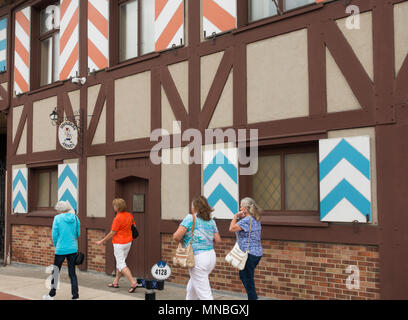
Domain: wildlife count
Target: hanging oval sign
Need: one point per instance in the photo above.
(68, 135)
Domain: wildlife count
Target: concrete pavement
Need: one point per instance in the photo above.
(29, 282)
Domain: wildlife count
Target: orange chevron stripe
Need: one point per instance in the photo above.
(171, 29)
(69, 31)
(159, 6)
(23, 22)
(19, 79)
(22, 52)
(98, 20)
(218, 16)
(63, 7)
(96, 55)
(73, 58)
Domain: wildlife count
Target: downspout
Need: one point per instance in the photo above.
(10, 97)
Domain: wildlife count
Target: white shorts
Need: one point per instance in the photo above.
(121, 252)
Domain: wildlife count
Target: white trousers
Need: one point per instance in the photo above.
(198, 287)
(121, 252)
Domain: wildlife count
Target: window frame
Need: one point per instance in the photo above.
(243, 12)
(282, 151)
(36, 39)
(114, 42)
(32, 195)
(35, 180)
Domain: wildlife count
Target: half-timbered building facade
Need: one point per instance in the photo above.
(324, 83)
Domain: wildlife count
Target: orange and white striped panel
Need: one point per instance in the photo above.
(98, 34)
(219, 16)
(22, 51)
(169, 23)
(69, 38)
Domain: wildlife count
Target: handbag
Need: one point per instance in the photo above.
(135, 233)
(184, 257)
(236, 257)
(79, 258)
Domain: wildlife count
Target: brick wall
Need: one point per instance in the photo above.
(294, 270)
(32, 244)
(96, 254)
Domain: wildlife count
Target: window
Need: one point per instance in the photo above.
(136, 28)
(49, 45)
(292, 4)
(287, 180)
(46, 182)
(260, 9)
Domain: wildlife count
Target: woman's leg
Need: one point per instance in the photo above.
(128, 274)
(118, 275)
(72, 276)
(191, 294)
(250, 266)
(58, 261)
(244, 276)
(204, 265)
(121, 252)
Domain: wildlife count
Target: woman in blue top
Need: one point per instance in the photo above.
(66, 229)
(205, 233)
(248, 231)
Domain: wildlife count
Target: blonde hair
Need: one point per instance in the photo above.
(63, 207)
(253, 207)
(119, 205)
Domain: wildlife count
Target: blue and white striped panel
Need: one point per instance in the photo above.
(19, 199)
(220, 175)
(3, 44)
(345, 184)
(68, 184)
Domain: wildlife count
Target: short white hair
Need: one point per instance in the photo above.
(63, 207)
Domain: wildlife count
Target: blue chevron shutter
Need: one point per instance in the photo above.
(345, 180)
(68, 184)
(19, 189)
(220, 180)
(3, 44)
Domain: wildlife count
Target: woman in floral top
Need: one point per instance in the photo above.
(205, 234)
(248, 230)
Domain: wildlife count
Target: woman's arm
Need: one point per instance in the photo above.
(108, 236)
(179, 234)
(234, 227)
(217, 238)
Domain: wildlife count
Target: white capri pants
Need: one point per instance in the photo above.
(121, 252)
(198, 287)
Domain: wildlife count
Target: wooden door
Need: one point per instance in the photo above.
(128, 189)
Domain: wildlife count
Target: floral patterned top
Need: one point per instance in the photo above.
(255, 246)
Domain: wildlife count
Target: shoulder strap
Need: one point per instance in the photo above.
(250, 229)
(194, 222)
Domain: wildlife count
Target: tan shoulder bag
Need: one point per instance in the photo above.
(184, 257)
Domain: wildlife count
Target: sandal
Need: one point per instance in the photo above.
(113, 285)
(133, 288)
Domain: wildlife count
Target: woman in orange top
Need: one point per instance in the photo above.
(121, 235)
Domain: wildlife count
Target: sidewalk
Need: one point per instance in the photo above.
(29, 282)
